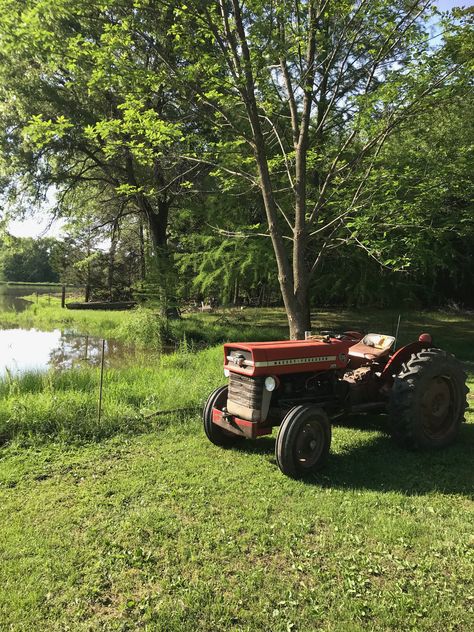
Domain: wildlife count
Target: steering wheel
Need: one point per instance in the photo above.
(331, 334)
(345, 335)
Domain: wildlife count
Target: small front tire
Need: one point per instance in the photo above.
(216, 434)
(303, 441)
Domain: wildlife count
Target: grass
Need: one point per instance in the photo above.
(141, 524)
(144, 326)
(164, 531)
(38, 407)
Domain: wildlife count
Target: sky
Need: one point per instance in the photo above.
(41, 224)
(38, 226)
(445, 5)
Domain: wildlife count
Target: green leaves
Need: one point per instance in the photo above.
(40, 133)
(140, 130)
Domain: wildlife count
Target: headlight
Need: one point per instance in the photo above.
(226, 372)
(270, 383)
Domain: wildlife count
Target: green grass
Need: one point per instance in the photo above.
(165, 531)
(38, 407)
(144, 326)
(142, 524)
(46, 313)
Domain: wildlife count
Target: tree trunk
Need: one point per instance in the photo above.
(87, 292)
(162, 261)
(157, 223)
(112, 251)
(293, 278)
(299, 318)
(157, 220)
(236, 290)
(141, 238)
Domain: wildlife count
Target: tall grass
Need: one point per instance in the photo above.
(63, 405)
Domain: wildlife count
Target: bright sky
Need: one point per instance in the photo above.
(40, 225)
(445, 5)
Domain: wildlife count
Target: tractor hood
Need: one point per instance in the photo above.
(286, 356)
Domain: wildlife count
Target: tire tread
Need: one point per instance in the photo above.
(405, 392)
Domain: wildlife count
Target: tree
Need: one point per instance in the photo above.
(304, 96)
(88, 104)
(423, 183)
(212, 126)
(28, 260)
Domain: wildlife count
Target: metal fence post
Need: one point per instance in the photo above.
(99, 411)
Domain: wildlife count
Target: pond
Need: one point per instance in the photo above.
(11, 295)
(24, 350)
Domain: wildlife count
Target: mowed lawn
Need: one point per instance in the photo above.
(164, 531)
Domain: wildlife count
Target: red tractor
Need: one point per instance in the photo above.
(302, 385)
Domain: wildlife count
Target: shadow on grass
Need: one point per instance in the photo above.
(378, 464)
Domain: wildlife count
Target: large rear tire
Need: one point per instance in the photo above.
(428, 400)
(303, 441)
(216, 434)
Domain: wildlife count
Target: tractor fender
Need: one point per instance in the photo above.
(403, 354)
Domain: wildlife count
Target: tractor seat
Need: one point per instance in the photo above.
(372, 347)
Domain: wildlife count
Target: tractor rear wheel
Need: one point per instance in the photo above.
(216, 434)
(428, 400)
(303, 441)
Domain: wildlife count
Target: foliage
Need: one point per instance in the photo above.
(89, 111)
(146, 327)
(230, 268)
(424, 185)
(304, 98)
(147, 126)
(28, 260)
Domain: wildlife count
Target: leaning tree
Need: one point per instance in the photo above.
(88, 105)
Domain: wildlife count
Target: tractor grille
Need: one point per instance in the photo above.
(246, 391)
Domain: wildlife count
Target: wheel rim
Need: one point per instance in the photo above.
(309, 444)
(217, 402)
(437, 407)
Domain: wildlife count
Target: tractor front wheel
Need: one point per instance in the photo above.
(216, 434)
(303, 441)
(428, 400)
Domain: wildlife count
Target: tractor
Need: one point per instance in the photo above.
(304, 385)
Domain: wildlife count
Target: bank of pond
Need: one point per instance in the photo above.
(23, 350)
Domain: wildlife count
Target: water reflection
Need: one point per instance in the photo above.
(11, 295)
(33, 350)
